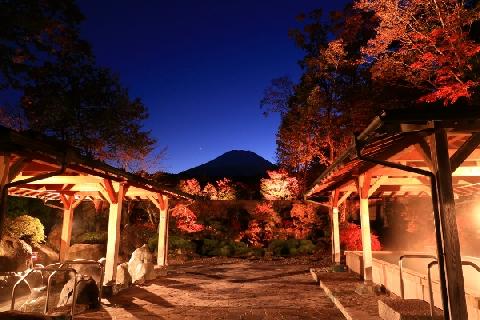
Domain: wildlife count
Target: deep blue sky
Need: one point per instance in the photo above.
(200, 67)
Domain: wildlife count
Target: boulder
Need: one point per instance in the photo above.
(15, 254)
(66, 295)
(123, 279)
(87, 292)
(86, 251)
(53, 238)
(140, 265)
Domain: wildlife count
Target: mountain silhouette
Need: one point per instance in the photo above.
(235, 164)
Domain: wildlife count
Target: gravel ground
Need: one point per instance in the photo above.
(222, 288)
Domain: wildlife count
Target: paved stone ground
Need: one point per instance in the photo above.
(235, 290)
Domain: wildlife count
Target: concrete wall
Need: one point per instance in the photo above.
(415, 281)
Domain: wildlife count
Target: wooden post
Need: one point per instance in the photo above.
(363, 186)
(336, 235)
(162, 253)
(335, 227)
(113, 243)
(451, 244)
(4, 179)
(69, 205)
(66, 235)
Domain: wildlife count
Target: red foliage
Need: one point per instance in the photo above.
(436, 53)
(264, 226)
(304, 217)
(351, 238)
(190, 186)
(186, 219)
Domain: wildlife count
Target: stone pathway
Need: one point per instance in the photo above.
(343, 289)
(238, 290)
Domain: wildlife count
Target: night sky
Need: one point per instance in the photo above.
(200, 67)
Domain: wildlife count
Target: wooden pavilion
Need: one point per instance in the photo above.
(43, 168)
(429, 152)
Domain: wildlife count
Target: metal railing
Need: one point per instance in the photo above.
(91, 262)
(54, 269)
(400, 264)
(430, 289)
(45, 269)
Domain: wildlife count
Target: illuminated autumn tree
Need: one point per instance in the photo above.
(351, 237)
(190, 186)
(225, 190)
(210, 191)
(331, 100)
(429, 45)
(279, 186)
(186, 219)
(263, 226)
(304, 216)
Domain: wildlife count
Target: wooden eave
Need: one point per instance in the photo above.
(31, 156)
(402, 136)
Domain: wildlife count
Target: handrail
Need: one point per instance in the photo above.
(23, 278)
(85, 261)
(400, 264)
(430, 289)
(53, 270)
(78, 261)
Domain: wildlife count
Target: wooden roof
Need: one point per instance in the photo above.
(403, 137)
(64, 172)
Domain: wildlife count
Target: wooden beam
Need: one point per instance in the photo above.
(62, 179)
(344, 197)
(451, 245)
(16, 168)
(78, 201)
(112, 196)
(378, 182)
(424, 150)
(462, 171)
(464, 151)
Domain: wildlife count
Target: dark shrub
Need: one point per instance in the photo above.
(174, 243)
(100, 237)
(291, 247)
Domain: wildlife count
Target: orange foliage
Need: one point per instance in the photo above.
(186, 219)
(304, 217)
(434, 51)
(279, 186)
